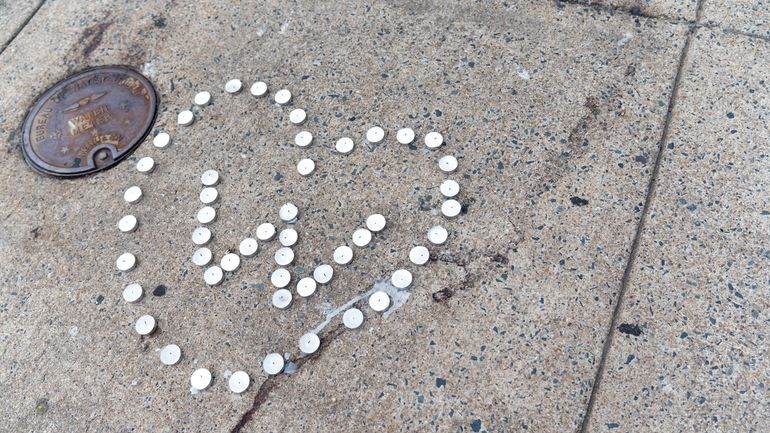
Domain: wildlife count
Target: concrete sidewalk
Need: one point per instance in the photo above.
(610, 272)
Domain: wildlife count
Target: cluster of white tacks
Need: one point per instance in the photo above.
(379, 300)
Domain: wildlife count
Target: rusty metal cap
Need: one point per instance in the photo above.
(89, 121)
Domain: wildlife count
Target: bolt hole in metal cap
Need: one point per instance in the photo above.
(89, 121)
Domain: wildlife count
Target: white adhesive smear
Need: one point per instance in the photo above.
(523, 73)
(627, 37)
(398, 298)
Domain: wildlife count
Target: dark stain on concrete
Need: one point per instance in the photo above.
(92, 37)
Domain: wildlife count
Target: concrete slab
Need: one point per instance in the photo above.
(745, 16)
(553, 111)
(13, 15)
(691, 353)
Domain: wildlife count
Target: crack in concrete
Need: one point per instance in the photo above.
(274, 382)
(21, 27)
(625, 281)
